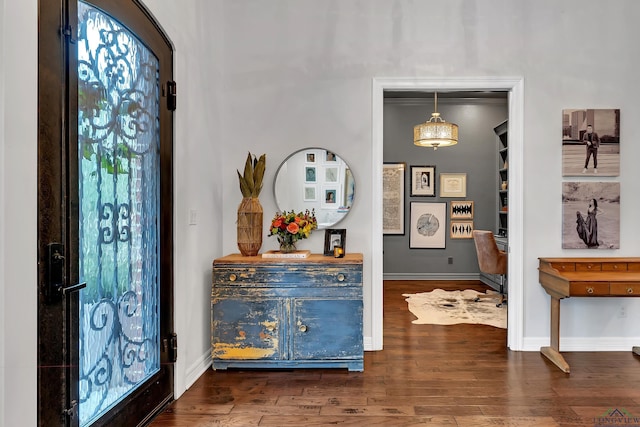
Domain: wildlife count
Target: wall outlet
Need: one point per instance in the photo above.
(450, 260)
(193, 217)
(622, 312)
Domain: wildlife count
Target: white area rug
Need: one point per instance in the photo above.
(440, 307)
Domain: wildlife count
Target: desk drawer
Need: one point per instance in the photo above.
(625, 289)
(614, 266)
(587, 289)
(588, 266)
(564, 266)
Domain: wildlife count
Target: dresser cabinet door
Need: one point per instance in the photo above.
(326, 329)
(247, 329)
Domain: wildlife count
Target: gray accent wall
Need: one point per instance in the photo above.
(475, 154)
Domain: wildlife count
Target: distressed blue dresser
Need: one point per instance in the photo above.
(287, 313)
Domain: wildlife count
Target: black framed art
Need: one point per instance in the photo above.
(423, 181)
(334, 237)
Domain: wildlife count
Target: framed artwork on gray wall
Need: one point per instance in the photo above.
(428, 225)
(461, 209)
(393, 198)
(461, 230)
(453, 185)
(423, 181)
(591, 142)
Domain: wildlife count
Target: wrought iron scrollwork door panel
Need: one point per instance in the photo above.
(119, 168)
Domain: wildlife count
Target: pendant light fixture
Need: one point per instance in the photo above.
(435, 132)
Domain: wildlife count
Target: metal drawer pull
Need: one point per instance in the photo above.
(341, 277)
(629, 290)
(233, 277)
(301, 327)
(589, 266)
(589, 290)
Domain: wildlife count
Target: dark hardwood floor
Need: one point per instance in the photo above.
(461, 375)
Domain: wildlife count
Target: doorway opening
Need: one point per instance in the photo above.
(514, 88)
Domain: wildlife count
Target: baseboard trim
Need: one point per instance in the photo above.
(368, 344)
(198, 368)
(431, 276)
(584, 344)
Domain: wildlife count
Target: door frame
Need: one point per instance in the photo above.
(515, 88)
(57, 167)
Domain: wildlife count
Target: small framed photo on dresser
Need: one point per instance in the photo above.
(334, 237)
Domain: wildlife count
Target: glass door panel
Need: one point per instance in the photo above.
(119, 185)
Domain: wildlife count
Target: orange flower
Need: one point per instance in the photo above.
(293, 228)
(277, 223)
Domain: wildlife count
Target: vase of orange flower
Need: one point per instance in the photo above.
(289, 227)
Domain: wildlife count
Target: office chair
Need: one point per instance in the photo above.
(491, 261)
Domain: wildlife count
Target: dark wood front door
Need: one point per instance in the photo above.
(105, 342)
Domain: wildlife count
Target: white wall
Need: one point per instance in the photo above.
(298, 73)
(273, 77)
(194, 30)
(18, 140)
(2, 215)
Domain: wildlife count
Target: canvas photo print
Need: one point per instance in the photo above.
(590, 215)
(591, 142)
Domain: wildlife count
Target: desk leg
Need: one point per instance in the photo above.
(553, 352)
(636, 350)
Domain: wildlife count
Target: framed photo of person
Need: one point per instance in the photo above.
(591, 142)
(310, 157)
(591, 215)
(334, 237)
(453, 185)
(423, 181)
(330, 157)
(310, 174)
(330, 198)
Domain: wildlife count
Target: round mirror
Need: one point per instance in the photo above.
(315, 179)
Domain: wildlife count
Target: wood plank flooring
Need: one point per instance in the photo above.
(460, 375)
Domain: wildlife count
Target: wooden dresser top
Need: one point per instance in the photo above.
(350, 258)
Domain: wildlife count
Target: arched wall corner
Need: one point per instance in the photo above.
(515, 87)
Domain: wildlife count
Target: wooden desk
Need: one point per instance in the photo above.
(584, 277)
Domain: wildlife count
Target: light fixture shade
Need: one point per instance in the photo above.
(435, 133)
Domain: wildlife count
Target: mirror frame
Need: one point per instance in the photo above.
(347, 166)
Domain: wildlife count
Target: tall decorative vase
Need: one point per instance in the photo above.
(249, 226)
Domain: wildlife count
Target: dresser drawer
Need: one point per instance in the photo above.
(298, 275)
(614, 266)
(585, 289)
(625, 289)
(589, 266)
